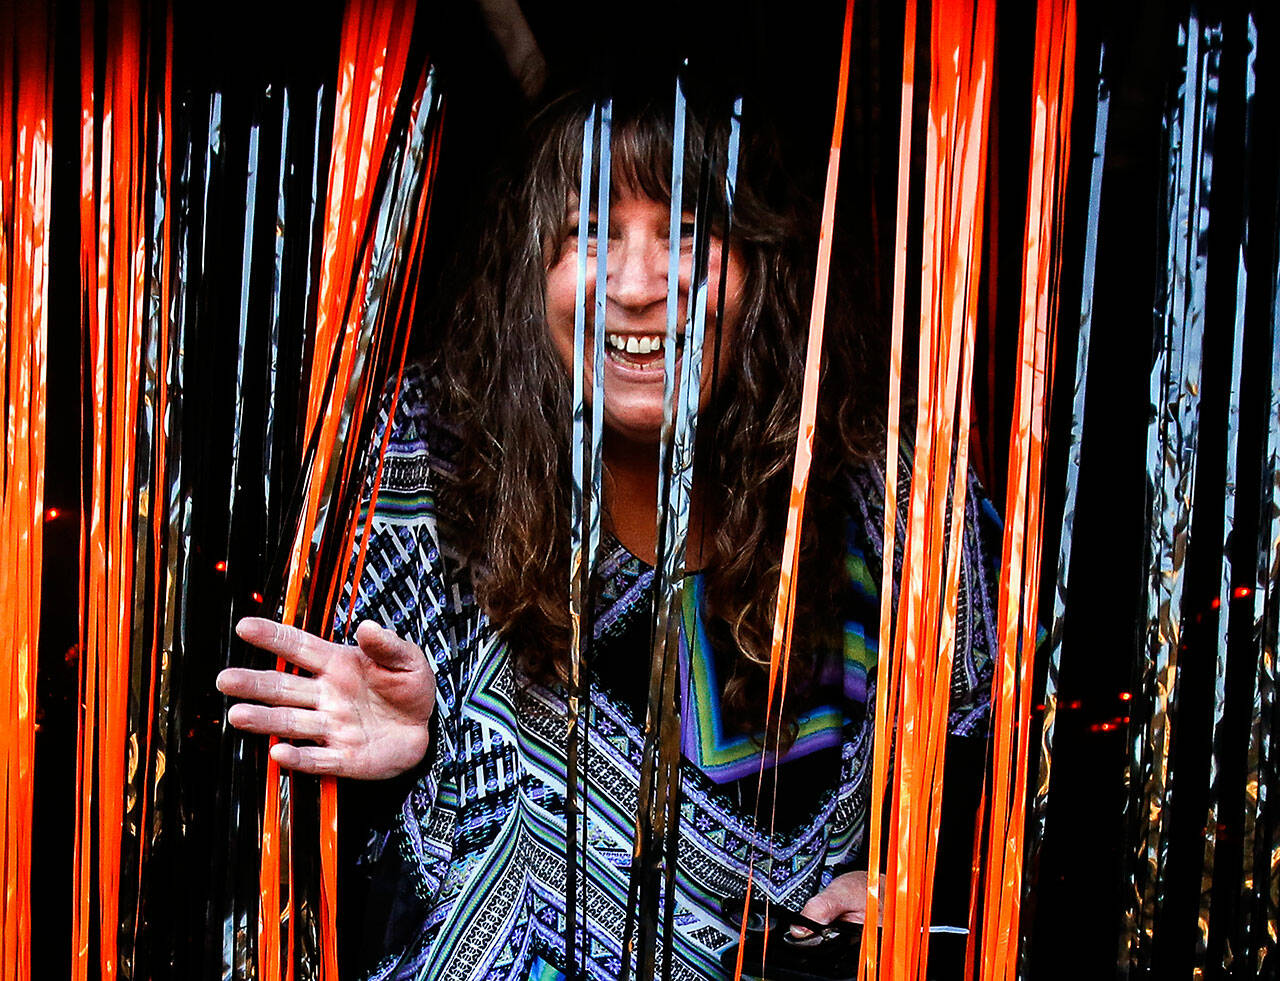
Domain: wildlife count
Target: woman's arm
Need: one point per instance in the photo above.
(361, 711)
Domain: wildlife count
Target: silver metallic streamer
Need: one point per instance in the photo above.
(1261, 858)
(277, 288)
(586, 501)
(1172, 444)
(136, 840)
(241, 949)
(1232, 479)
(1039, 807)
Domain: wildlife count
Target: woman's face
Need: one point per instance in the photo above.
(636, 309)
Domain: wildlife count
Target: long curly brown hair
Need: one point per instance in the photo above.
(509, 393)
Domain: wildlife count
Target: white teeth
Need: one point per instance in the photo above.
(634, 344)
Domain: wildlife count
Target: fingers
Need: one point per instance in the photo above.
(319, 760)
(388, 649)
(845, 898)
(282, 722)
(269, 687)
(296, 646)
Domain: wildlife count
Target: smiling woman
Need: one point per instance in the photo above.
(467, 564)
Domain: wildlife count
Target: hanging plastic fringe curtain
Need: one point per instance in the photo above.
(26, 159)
(1053, 81)
(1202, 404)
(124, 182)
(913, 688)
(1199, 839)
(1172, 444)
(218, 263)
(248, 261)
(376, 208)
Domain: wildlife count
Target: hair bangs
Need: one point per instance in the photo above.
(642, 137)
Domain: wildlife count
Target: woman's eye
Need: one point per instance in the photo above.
(571, 229)
(687, 229)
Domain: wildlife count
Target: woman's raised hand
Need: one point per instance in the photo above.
(362, 712)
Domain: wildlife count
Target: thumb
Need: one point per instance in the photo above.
(386, 648)
(825, 907)
(846, 897)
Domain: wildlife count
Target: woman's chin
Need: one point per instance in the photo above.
(640, 425)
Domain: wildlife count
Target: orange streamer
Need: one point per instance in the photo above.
(26, 101)
(1052, 86)
(119, 520)
(914, 685)
(886, 690)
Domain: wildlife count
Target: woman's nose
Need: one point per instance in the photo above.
(637, 273)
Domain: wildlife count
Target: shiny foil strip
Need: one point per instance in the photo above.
(26, 162)
(1258, 921)
(1053, 84)
(913, 686)
(203, 214)
(585, 504)
(1172, 444)
(652, 881)
(1218, 759)
(886, 688)
(1053, 657)
(784, 608)
(124, 186)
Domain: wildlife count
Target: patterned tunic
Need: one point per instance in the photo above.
(469, 881)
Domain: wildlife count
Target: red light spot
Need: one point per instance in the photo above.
(1215, 604)
(1074, 705)
(1126, 696)
(1108, 726)
(1125, 720)
(51, 514)
(1040, 708)
(220, 567)
(257, 597)
(1240, 592)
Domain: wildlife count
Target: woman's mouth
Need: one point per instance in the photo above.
(638, 351)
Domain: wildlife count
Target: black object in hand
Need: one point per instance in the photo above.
(829, 952)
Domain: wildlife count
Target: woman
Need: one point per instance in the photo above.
(468, 563)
